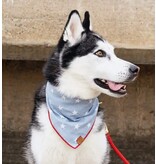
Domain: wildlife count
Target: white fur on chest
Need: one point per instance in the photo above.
(48, 148)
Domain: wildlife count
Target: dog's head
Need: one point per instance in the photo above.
(85, 65)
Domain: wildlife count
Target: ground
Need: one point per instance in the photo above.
(137, 152)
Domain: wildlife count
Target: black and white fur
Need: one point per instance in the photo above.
(77, 71)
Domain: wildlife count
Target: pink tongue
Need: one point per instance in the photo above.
(113, 86)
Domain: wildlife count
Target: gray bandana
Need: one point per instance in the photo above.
(71, 118)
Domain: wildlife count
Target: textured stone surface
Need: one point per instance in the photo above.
(31, 28)
(126, 24)
(42, 52)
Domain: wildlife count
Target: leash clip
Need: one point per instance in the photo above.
(106, 129)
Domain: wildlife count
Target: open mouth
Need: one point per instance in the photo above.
(114, 87)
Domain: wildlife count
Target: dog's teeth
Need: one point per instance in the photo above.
(124, 87)
(103, 80)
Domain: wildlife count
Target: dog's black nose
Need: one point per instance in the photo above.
(134, 69)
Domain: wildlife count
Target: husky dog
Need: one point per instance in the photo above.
(67, 125)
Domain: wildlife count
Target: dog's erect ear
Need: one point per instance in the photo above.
(73, 28)
(86, 22)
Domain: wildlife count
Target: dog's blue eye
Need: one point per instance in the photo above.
(100, 53)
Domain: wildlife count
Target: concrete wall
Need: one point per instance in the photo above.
(125, 23)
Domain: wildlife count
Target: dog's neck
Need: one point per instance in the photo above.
(75, 86)
(71, 108)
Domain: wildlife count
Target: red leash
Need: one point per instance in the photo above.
(125, 161)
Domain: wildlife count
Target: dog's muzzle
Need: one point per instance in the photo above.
(118, 87)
